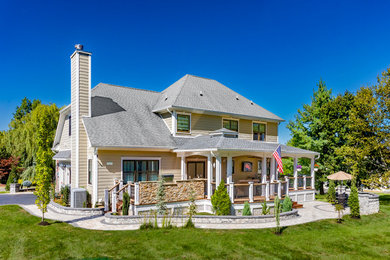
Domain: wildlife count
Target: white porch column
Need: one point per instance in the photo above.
(272, 175)
(231, 191)
(183, 168)
(209, 175)
(312, 173)
(136, 193)
(251, 191)
(304, 182)
(95, 178)
(267, 191)
(229, 169)
(287, 184)
(218, 170)
(263, 174)
(295, 173)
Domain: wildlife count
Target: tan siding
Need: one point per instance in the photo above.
(239, 174)
(65, 142)
(168, 120)
(170, 164)
(245, 129)
(202, 124)
(272, 132)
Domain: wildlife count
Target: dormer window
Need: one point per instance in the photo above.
(259, 131)
(230, 124)
(183, 123)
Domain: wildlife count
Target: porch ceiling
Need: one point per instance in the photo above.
(235, 145)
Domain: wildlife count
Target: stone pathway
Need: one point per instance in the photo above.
(312, 211)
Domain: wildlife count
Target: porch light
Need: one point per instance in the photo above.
(299, 167)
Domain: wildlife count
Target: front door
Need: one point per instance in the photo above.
(196, 170)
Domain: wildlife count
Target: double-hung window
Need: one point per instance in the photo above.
(230, 124)
(140, 170)
(183, 123)
(259, 131)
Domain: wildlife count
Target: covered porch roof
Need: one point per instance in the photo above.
(64, 155)
(223, 143)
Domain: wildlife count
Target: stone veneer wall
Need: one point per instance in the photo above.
(369, 203)
(179, 191)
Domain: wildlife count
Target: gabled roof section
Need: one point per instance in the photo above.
(201, 94)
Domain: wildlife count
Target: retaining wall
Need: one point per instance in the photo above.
(369, 203)
(203, 221)
(76, 211)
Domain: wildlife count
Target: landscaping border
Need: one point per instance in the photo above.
(76, 211)
(203, 220)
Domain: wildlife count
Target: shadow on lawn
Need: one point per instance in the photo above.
(384, 199)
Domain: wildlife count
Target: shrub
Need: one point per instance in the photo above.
(27, 184)
(189, 224)
(126, 203)
(277, 208)
(339, 208)
(287, 204)
(65, 192)
(247, 209)
(331, 196)
(264, 208)
(220, 200)
(353, 201)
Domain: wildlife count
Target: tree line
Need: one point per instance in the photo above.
(351, 131)
(22, 143)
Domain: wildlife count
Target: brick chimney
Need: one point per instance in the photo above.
(81, 106)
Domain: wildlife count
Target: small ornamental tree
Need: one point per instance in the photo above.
(220, 200)
(161, 205)
(287, 204)
(126, 203)
(277, 208)
(353, 201)
(247, 209)
(44, 166)
(331, 196)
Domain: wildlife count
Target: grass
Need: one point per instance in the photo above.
(321, 197)
(1, 192)
(22, 238)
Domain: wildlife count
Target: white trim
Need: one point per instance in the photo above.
(174, 123)
(141, 159)
(95, 176)
(266, 129)
(89, 87)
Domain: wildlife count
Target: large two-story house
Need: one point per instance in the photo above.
(196, 131)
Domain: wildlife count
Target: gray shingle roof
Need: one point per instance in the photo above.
(217, 98)
(63, 155)
(221, 143)
(123, 117)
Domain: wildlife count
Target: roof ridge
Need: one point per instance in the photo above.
(181, 89)
(127, 87)
(200, 77)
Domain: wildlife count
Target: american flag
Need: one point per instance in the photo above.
(278, 157)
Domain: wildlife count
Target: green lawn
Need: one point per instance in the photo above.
(369, 237)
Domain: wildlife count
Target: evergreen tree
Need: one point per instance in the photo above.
(353, 201)
(220, 200)
(331, 196)
(126, 203)
(277, 208)
(287, 204)
(161, 205)
(247, 209)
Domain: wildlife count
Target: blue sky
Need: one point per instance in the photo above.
(273, 52)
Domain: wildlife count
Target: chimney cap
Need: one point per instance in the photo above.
(79, 47)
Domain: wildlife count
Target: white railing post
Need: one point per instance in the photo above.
(304, 182)
(251, 191)
(129, 189)
(120, 195)
(312, 174)
(267, 191)
(287, 184)
(113, 201)
(136, 193)
(279, 189)
(106, 200)
(209, 176)
(295, 174)
(231, 191)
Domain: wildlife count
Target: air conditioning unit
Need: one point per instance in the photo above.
(78, 198)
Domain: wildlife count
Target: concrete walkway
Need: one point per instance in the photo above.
(312, 211)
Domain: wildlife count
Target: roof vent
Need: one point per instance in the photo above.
(201, 93)
(237, 98)
(165, 97)
(79, 47)
(251, 102)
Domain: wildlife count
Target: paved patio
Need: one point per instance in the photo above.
(312, 211)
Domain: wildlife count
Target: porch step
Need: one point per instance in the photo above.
(295, 205)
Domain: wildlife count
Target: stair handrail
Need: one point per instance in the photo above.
(113, 187)
(124, 187)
